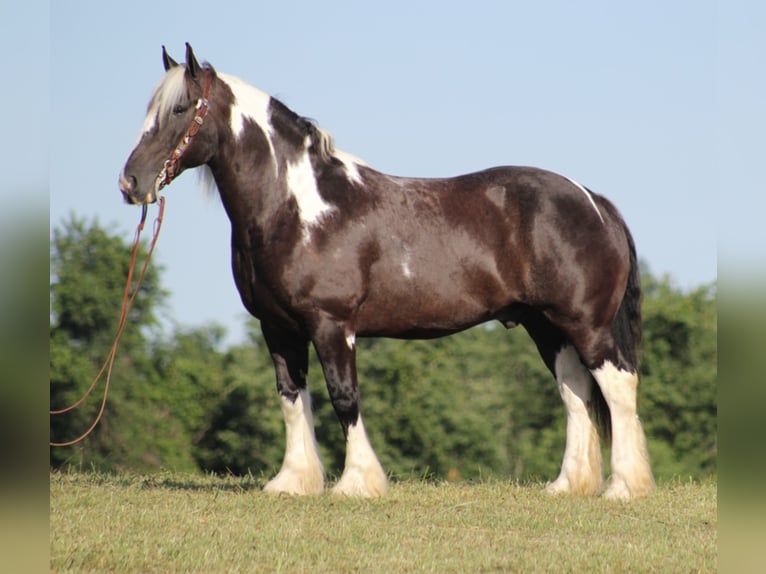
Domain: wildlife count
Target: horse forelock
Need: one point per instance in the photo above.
(169, 91)
(248, 104)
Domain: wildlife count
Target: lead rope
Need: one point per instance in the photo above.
(127, 303)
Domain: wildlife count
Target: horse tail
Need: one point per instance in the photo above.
(626, 330)
(626, 327)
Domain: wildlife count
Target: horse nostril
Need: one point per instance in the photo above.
(127, 183)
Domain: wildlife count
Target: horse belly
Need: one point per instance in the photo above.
(423, 299)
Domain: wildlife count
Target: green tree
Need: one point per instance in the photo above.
(678, 390)
(479, 403)
(243, 430)
(88, 271)
(156, 388)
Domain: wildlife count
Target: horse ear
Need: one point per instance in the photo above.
(191, 61)
(167, 61)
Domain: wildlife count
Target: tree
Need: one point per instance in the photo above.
(678, 390)
(480, 403)
(88, 270)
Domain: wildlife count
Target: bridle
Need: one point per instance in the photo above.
(170, 169)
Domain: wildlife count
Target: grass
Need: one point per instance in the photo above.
(187, 523)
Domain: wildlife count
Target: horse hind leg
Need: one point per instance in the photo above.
(631, 472)
(581, 468)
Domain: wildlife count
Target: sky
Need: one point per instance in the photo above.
(657, 105)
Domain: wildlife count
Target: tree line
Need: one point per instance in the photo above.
(476, 404)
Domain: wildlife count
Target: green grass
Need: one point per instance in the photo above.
(187, 523)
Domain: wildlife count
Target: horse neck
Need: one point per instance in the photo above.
(258, 143)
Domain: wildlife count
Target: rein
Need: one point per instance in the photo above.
(127, 303)
(170, 169)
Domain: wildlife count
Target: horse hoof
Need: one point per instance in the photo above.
(295, 484)
(558, 486)
(618, 489)
(356, 485)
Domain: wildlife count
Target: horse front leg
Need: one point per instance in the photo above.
(302, 472)
(363, 475)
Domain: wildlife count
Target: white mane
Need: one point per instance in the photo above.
(250, 103)
(170, 91)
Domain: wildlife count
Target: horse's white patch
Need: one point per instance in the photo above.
(149, 122)
(631, 473)
(362, 473)
(302, 185)
(301, 471)
(588, 195)
(496, 194)
(249, 103)
(406, 270)
(351, 340)
(351, 165)
(581, 468)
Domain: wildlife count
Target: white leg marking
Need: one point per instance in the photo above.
(302, 471)
(362, 476)
(302, 184)
(631, 472)
(589, 196)
(581, 470)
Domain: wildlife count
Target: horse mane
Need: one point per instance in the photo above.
(321, 140)
(172, 90)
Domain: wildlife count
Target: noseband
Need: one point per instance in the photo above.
(170, 169)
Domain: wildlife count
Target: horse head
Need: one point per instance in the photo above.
(175, 135)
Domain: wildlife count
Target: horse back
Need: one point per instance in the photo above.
(425, 257)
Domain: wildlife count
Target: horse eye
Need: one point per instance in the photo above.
(178, 109)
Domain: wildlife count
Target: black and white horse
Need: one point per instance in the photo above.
(326, 249)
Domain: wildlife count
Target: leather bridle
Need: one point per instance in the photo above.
(170, 169)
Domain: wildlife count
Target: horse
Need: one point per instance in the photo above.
(326, 249)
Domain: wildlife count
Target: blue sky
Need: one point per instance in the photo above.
(657, 105)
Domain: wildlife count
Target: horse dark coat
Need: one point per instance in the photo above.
(326, 249)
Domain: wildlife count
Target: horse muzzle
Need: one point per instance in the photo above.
(129, 188)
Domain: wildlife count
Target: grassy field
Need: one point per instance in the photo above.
(184, 523)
